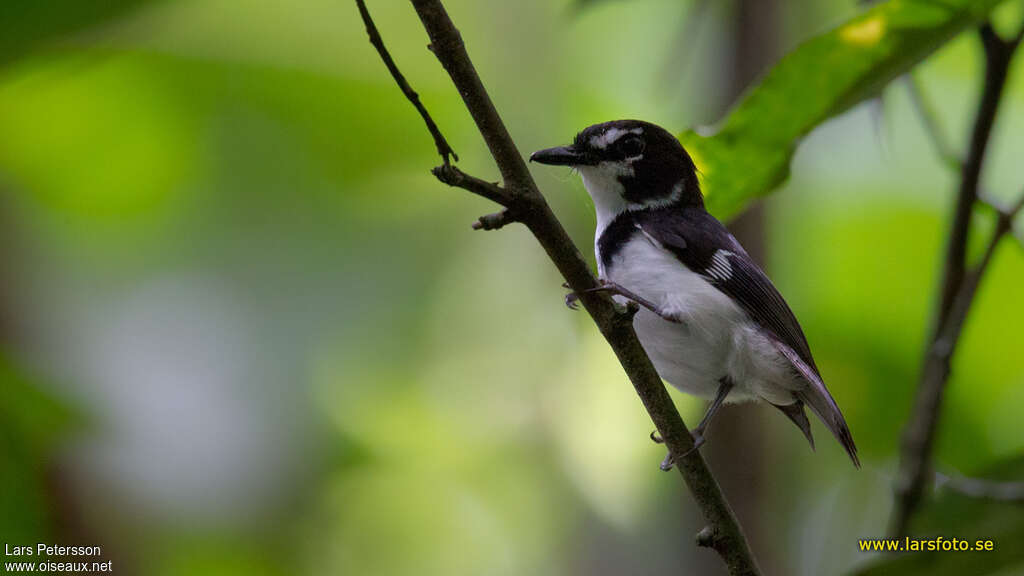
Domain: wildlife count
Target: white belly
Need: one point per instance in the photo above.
(716, 338)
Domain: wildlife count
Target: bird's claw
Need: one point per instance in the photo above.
(669, 462)
(572, 299)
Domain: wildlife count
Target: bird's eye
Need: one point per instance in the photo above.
(631, 146)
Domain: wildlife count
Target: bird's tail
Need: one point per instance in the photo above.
(822, 404)
(795, 412)
(817, 397)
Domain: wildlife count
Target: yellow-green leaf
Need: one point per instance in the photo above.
(749, 154)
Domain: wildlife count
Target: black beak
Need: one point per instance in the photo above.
(562, 156)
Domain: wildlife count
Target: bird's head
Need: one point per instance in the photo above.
(628, 165)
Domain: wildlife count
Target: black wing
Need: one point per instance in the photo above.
(703, 244)
(706, 247)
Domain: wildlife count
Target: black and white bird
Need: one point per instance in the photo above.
(710, 319)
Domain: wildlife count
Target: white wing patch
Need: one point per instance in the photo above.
(721, 268)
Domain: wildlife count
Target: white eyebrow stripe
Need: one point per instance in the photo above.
(610, 135)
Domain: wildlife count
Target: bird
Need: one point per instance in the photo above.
(708, 316)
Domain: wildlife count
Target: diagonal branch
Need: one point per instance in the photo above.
(959, 287)
(523, 202)
(920, 433)
(997, 64)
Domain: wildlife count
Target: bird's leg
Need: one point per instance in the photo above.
(725, 386)
(615, 289)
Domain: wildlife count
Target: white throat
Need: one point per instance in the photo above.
(602, 183)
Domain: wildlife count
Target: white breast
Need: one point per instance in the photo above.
(716, 338)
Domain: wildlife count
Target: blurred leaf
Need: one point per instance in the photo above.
(952, 514)
(30, 422)
(138, 137)
(123, 143)
(750, 154)
(26, 25)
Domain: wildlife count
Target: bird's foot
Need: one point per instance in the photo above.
(572, 299)
(669, 462)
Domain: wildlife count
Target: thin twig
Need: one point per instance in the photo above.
(1000, 208)
(494, 221)
(525, 201)
(446, 173)
(930, 120)
(981, 488)
(371, 30)
(452, 176)
(945, 343)
(1009, 214)
(958, 290)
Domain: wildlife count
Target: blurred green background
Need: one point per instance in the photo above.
(244, 330)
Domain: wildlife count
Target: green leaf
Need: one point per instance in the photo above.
(749, 154)
(27, 24)
(954, 515)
